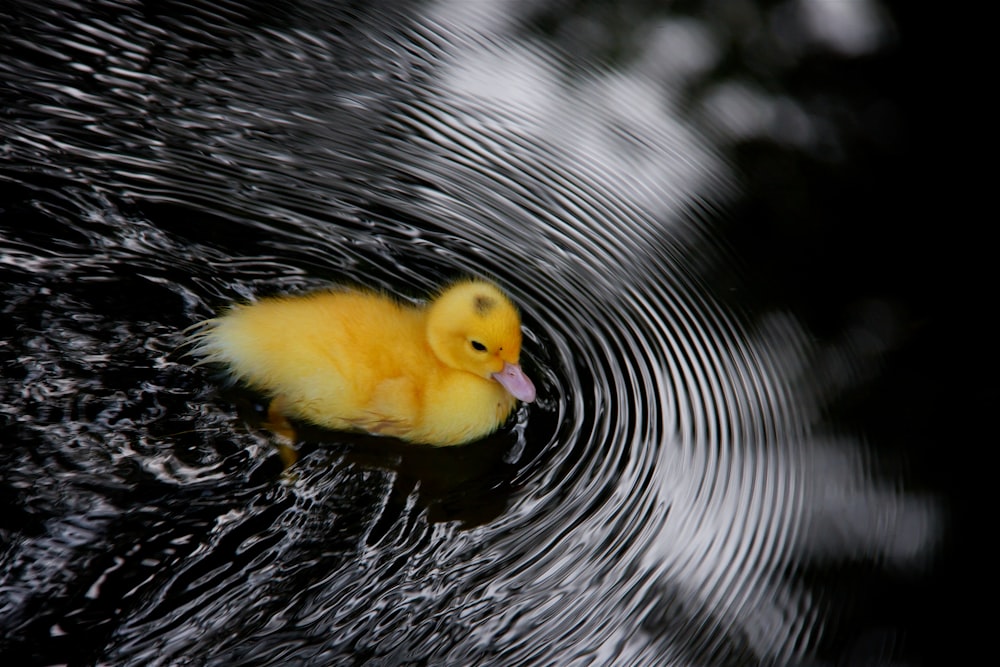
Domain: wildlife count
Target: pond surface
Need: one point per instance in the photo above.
(728, 463)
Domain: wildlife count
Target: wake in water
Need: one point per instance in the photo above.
(673, 497)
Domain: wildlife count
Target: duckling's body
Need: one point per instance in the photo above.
(348, 359)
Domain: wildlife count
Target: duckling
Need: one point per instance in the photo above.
(444, 373)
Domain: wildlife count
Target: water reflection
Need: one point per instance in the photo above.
(677, 495)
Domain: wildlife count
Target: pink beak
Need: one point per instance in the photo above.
(516, 382)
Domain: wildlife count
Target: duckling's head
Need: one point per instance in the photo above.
(473, 326)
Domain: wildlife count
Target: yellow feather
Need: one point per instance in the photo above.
(442, 374)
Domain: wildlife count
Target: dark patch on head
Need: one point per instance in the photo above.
(483, 304)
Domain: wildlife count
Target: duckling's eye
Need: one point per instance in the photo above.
(476, 345)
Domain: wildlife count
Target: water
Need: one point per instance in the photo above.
(685, 491)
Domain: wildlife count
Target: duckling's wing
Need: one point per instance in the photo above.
(381, 424)
(393, 409)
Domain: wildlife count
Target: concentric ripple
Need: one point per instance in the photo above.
(659, 504)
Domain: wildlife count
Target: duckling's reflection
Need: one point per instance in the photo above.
(469, 484)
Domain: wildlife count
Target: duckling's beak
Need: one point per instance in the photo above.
(516, 382)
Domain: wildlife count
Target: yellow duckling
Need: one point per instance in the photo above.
(349, 359)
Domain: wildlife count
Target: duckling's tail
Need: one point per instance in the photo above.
(197, 342)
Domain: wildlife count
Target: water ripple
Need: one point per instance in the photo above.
(657, 505)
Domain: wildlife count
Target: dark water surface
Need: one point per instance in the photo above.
(728, 461)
